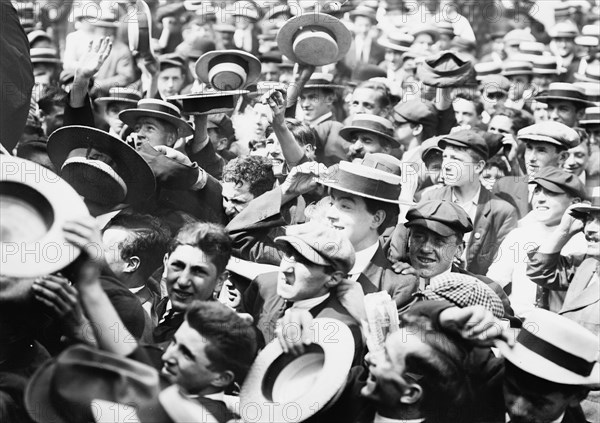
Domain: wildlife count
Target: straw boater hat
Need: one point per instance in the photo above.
(279, 383)
(101, 168)
(487, 68)
(558, 350)
(364, 11)
(321, 80)
(35, 204)
(517, 67)
(44, 55)
(228, 69)
(558, 91)
(158, 109)
(591, 117)
(314, 38)
(566, 29)
(120, 95)
(376, 176)
(370, 124)
(546, 65)
(247, 9)
(591, 74)
(397, 41)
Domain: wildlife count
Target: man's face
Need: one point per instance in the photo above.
(542, 82)
(577, 159)
(528, 405)
(236, 197)
(191, 275)
(563, 46)
(170, 82)
(394, 58)
(54, 120)
(364, 143)
(549, 207)
(434, 167)
(564, 112)
(112, 115)
(465, 113)
(458, 167)
(430, 253)
(591, 231)
(387, 380)
(518, 85)
(269, 71)
(44, 73)
(314, 103)
(422, 42)
(348, 213)
(404, 133)
(501, 125)
(539, 155)
(299, 279)
(490, 175)
(261, 116)
(491, 99)
(185, 362)
(155, 132)
(365, 100)
(275, 154)
(362, 25)
(112, 241)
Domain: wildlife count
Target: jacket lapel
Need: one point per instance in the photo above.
(578, 295)
(370, 278)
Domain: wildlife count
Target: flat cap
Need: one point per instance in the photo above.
(320, 245)
(494, 84)
(416, 111)
(559, 181)
(551, 132)
(466, 138)
(442, 217)
(446, 69)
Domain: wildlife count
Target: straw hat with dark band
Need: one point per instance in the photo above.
(562, 91)
(228, 69)
(120, 95)
(158, 109)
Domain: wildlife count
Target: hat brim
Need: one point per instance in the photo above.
(548, 98)
(348, 131)
(337, 360)
(105, 100)
(324, 86)
(137, 174)
(301, 246)
(336, 185)
(66, 205)
(130, 117)
(190, 101)
(433, 225)
(45, 60)
(37, 395)
(585, 209)
(392, 46)
(540, 138)
(537, 365)
(285, 37)
(514, 73)
(254, 65)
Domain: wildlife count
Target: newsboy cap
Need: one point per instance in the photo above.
(551, 132)
(320, 245)
(559, 181)
(416, 111)
(467, 139)
(442, 217)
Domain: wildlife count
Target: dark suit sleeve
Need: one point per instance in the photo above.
(83, 115)
(447, 121)
(209, 160)
(551, 271)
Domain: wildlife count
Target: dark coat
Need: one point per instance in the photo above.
(515, 190)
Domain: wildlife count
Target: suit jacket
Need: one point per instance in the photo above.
(494, 219)
(149, 300)
(376, 54)
(331, 147)
(263, 303)
(515, 190)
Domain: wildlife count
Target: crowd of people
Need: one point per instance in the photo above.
(284, 211)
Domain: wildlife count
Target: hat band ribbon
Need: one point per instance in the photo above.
(370, 162)
(367, 186)
(103, 167)
(153, 107)
(575, 95)
(557, 355)
(374, 126)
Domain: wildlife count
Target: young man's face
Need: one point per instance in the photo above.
(563, 46)
(236, 197)
(591, 231)
(527, 405)
(549, 207)
(362, 25)
(299, 279)
(539, 154)
(170, 82)
(518, 85)
(490, 175)
(434, 167)
(366, 100)
(315, 103)
(191, 275)
(364, 143)
(274, 153)
(112, 115)
(155, 132)
(423, 42)
(348, 213)
(465, 112)
(112, 241)
(459, 168)
(501, 125)
(185, 362)
(44, 73)
(394, 58)
(431, 254)
(577, 159)
(269, 71)
(564, 112)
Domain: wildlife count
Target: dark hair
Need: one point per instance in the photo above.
(439, 371)
(520, 119)
(390, 209)
(51, 96)
(149, 239)
(303, 133)
(384, 98)
(212, 239)
(232, 340)
(256, 171)
(499, 162)
(473, 98)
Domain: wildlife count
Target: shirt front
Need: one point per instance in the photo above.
(309, 302)
(470, 207)
(362, 260)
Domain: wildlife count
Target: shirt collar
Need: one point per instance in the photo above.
(320, 119)
(380, 419)
(559, 420)
(424, 283)
(136, 290)
(473, 200)
(309, 303)
(363, 258)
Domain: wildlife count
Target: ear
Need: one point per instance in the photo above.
(309, 148)
(171, 139)
(575, 200)
(224, 379)
(165, 259)
(563, 156)
(222, 143)
(336, 278)
(132, 264)
(411, 394)
(220, 281)
(580, 114)
(479, 166)
(378, 219)
(459, 250)
(417, 130)
(329, 99)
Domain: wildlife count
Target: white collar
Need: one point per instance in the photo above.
(309, 302)
(136, 290)
(320, 119)
(381, 419)
(473, 200)
(363, 258)
(559, 420)
(424, 283)
(217, 396)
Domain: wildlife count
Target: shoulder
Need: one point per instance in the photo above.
(434, 193)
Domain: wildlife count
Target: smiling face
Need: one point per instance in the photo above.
(577, 159)
(459, 168)
(430, 253)
(539, 154)
(191, 275)
(315, 103)
(364, 143)
(549, 207)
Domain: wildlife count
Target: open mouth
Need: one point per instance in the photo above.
(181, 295)
(426, 260)
(542, 208)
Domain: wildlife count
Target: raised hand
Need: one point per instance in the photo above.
(474, 323)
(85, 234)
(293, 331)
(277, 101)
(94, 58)
(303, 178)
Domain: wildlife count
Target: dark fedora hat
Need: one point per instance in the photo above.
(376, 176)
(120, 95)
(371, 124)
(314, 38)
(35, 203)
(279, 382)
(228, 69)
(158, 109)
(100, 167)
(563, 91)
(446, 69)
